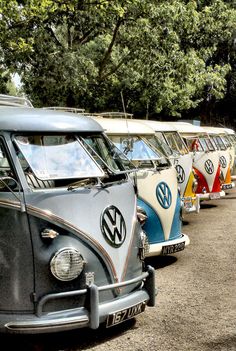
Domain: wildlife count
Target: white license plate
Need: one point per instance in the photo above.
(170, 249)
(227, 186)
(214, 196)
(188, 204)
(125, 314)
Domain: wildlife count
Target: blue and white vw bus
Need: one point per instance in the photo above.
(182, 159)
(158, 195)
(72, 247)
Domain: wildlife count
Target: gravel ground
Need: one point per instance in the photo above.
(196, 302)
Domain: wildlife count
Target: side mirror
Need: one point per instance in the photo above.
(8, 183)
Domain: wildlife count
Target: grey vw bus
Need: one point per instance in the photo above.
(71, 246)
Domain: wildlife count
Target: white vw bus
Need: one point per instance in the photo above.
(156, 181)
(205, 160)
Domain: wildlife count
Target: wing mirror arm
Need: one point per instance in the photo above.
(5, 181)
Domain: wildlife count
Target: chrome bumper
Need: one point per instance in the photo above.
(82, 317)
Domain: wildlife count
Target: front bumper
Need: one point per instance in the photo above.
(211, 196)
(157, 249)
(91, 317)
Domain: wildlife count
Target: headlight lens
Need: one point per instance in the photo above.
(144, 246)
(221, 177)
(194, 185)
(142, 215)
(67, 264)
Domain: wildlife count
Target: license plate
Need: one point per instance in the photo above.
(188, 204)
(170, 249)
(227, 186)
(125, 314)
(214, 196)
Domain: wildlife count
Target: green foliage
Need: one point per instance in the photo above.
(167, 57)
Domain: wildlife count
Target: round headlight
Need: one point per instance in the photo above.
(142, 215)
(67, 264)
(194, 185)
(144, 246)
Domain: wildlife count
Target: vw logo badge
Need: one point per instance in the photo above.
(113, 226)
(223, 162)
(180, 174)
(209, 167)
(163, 194)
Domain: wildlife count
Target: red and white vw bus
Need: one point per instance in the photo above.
(206, 161)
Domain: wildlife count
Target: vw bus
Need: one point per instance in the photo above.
(72, 248)
(181, 158)
(230, 136)
(205, 160)
(158, 195)
(219, 138)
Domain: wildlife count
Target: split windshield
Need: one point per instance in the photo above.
(56, 157)
(175, 142)
(137, 148)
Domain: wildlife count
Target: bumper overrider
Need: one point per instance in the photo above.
(90, 317)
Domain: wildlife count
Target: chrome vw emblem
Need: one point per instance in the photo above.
(180, 174)
(163, 194)
(209, 167)
(223, 162)
(113, 226)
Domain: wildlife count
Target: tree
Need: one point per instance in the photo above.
(165, 56)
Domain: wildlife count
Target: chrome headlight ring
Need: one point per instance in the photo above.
(67, 264)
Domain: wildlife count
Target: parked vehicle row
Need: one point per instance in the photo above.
(85, 199)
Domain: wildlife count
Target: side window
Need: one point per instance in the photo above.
(7, 175)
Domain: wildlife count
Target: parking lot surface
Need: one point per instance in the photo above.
(196, 301)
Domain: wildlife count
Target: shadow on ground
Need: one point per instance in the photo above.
(160, 261)
(79, 339)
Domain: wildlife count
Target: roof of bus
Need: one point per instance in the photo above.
(230, 131)
(158, 126)
(123, 126)
(37, 120)
(186, 128)
(214, 130)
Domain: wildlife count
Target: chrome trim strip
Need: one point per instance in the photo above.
(10, 204)
(47, 324)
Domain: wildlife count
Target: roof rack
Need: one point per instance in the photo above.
(17, 101)
(65, 109)
(114, 114)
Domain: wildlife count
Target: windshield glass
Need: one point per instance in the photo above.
(56, 157)
(206, 143)
(108, 152)
(219, 143)
(159, 145)
(175, 142)
(193, 144)
(226, 141)
(161, 139)
(139, 149)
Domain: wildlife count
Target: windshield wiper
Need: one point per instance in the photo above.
(83, 183)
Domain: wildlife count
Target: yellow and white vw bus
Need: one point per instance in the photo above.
(205, 160)
(156, 182)
(219, 138)
(182, 159)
